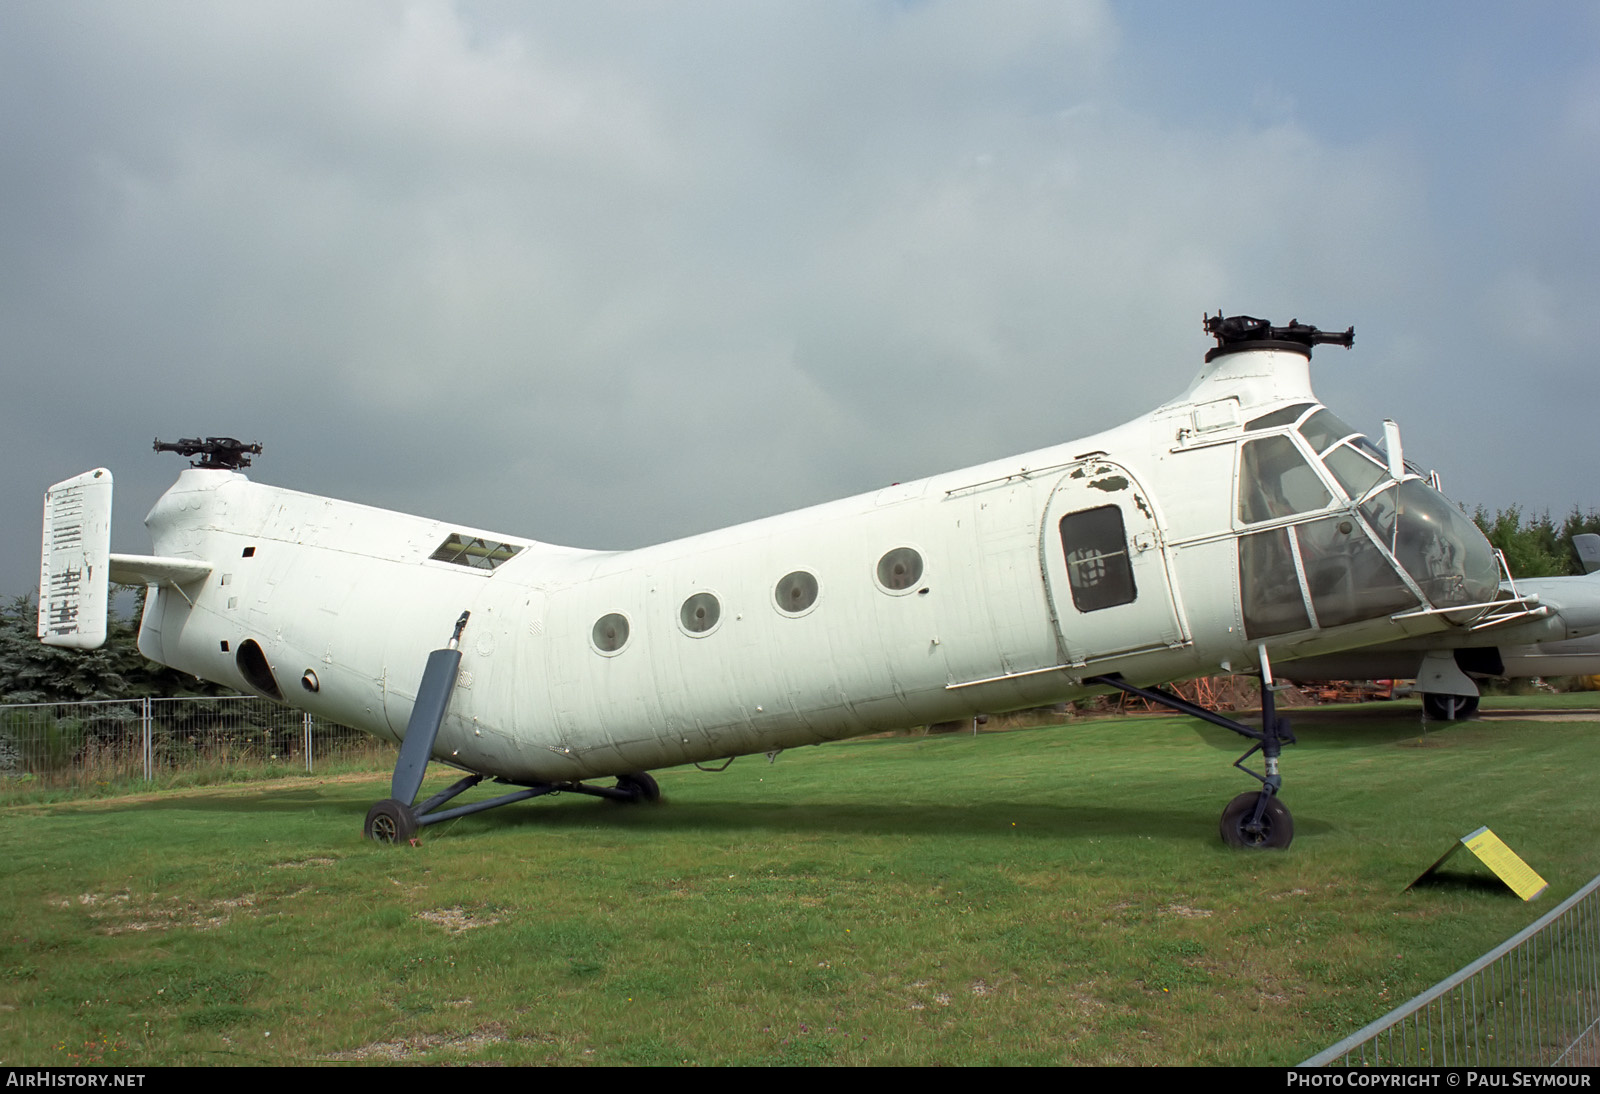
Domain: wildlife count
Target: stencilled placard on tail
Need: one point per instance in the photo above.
(75, 556)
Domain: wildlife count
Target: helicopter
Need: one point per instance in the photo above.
(1238, 525)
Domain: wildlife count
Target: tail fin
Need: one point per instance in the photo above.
(74, 566)
(1588, 548)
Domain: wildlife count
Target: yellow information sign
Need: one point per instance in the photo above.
(1501, 860)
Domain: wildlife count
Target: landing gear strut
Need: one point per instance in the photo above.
(396, 820)
(1449, 708)
(1255, 819)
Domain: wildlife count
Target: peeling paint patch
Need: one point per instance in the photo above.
(1109, 484)
(1143, 508)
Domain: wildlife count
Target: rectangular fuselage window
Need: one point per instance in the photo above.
(472, 552)
(1098, 567)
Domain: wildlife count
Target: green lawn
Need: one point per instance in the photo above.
(1053, 895)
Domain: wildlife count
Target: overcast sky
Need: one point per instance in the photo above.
(606, 274)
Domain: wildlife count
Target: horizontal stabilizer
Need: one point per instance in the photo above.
(74, 560)
(156, 570)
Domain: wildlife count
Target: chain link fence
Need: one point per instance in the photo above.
(1532, 1000)
(90, 744)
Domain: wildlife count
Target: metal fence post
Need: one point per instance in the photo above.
(201, 733)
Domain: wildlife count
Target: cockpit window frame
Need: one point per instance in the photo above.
(1301, 449)
(1383, 480)
(1338, 438)
(1282, 422)
(1282, 418)
(1313, 547)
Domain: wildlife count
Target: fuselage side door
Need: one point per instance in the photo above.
(1105, 566)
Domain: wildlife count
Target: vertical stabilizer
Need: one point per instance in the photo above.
(1588, 548)
(74, 561)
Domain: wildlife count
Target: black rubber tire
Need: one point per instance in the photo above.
(391, 821)
(1449, 708)
(1277, 826)
(641, 786)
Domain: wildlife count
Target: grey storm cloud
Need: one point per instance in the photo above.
(606, 274)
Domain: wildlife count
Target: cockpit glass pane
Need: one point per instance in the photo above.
(1349, 578)
(1438, 546)
(1355, 472)
(1269, 587)
(1372, 450)
(1322, 429)
(1276, 481)
(1286, 416)
(1380, 510)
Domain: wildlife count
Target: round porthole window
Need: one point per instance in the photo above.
(610, 633)
(900, 569)
(700, 613)
(795, 592)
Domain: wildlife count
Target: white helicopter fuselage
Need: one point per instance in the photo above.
(997, 587)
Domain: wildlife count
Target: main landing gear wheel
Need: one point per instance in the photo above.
(391, 821)
(641, 788)
(1275, 830)
(1449, 708)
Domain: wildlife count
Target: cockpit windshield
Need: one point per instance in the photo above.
(1438, 546)
(1355, 473)
(1322, 429)
(1324, 561)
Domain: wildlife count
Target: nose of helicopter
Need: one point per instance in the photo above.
(1441, 549)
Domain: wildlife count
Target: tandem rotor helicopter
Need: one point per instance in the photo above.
(1238, 525)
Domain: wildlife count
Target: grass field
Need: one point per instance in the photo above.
(1038, 896)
